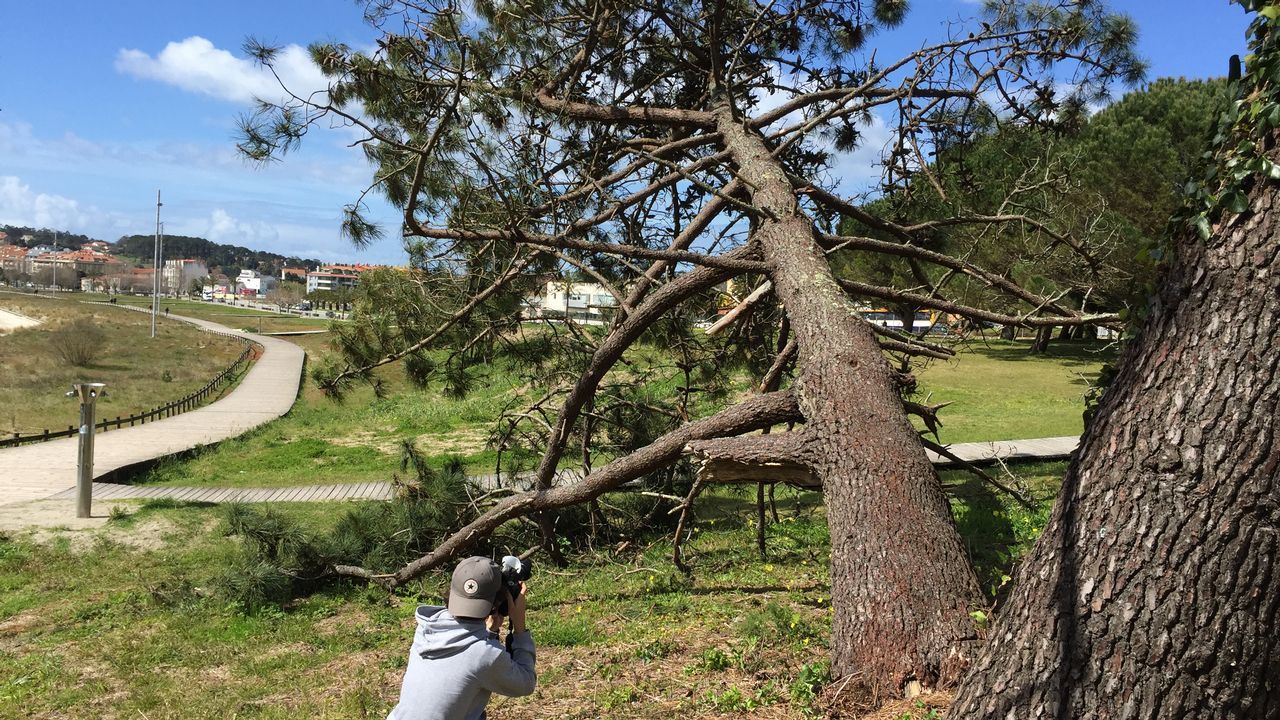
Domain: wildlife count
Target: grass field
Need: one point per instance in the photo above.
(235, 316)
(1000, 391)
(140, 372)
(132, 623)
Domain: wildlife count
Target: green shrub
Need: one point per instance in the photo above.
(808, 685)
(280, 559)
(655, 650)
(713, 660)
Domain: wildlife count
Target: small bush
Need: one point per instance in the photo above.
(282, 560)
(713, 660)
(619, 696)
(779, 623)
(809, 683)
(78, 342)
(655, 650)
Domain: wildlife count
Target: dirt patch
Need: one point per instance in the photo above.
(368, 439)
(20, 623)
(345, 622)
(293, 648)
(463, 441)
(917, 708)
(45, 521)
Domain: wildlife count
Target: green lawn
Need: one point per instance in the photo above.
(133, 622)
(141, 372)
(234, 316)
(323, 441)
(1000, 391)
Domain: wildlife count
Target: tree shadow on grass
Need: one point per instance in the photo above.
(987, 531)
(1067, 352)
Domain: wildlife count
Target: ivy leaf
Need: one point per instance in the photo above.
(1203, 227)
(1236, 201)
(1270, 12)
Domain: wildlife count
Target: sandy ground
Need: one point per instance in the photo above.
(42, 517)
(14, 321)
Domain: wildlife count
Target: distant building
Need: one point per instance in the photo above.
(84, 262)
(178, 274)
(298, 274)
(587, 303)
(334, 277)
(252, 282)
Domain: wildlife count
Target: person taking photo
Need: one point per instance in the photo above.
(456, 661)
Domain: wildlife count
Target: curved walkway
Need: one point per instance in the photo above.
(10, 320)
(268, 390)
(979, 453)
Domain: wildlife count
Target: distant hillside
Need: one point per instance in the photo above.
(230, 258)
(43, 236)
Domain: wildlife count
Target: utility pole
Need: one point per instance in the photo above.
(155, 266)
(55, 261)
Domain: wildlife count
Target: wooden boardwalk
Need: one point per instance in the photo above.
(267, 391)
(1054, 448)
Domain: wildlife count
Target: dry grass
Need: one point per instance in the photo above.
(134, 365)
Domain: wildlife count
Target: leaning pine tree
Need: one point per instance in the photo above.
(664, 149)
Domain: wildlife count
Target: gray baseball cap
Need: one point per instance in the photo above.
(476, 582)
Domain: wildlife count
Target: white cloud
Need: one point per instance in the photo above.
(197, 66)
(20, 205)
(223, 228)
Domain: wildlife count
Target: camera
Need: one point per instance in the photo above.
(514, 572)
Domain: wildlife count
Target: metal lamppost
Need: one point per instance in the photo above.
(88, 393)
(155, 267)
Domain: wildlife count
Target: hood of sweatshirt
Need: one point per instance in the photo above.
(441, 635)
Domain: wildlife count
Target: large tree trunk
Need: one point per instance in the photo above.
(902, 583)
(1152, 591)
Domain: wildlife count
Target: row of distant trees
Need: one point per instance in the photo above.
(230, 258)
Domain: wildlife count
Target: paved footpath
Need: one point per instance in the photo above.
(268, 390)
(1054, 448)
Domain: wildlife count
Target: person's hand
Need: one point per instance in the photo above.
(516, 606)
(495, 622)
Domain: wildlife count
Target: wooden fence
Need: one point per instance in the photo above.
(190, 402)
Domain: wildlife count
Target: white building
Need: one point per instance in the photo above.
(178, 274)
(255, 283)
(587, 303)
(335, 277)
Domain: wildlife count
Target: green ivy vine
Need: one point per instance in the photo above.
(1237, 154)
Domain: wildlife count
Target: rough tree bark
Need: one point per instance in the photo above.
(1152, 591)
(902, 584)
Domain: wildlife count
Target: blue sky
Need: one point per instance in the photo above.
(103, 103)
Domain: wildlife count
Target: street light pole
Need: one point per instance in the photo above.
(155, 267)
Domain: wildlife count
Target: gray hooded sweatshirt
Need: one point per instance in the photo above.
(454, 665)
